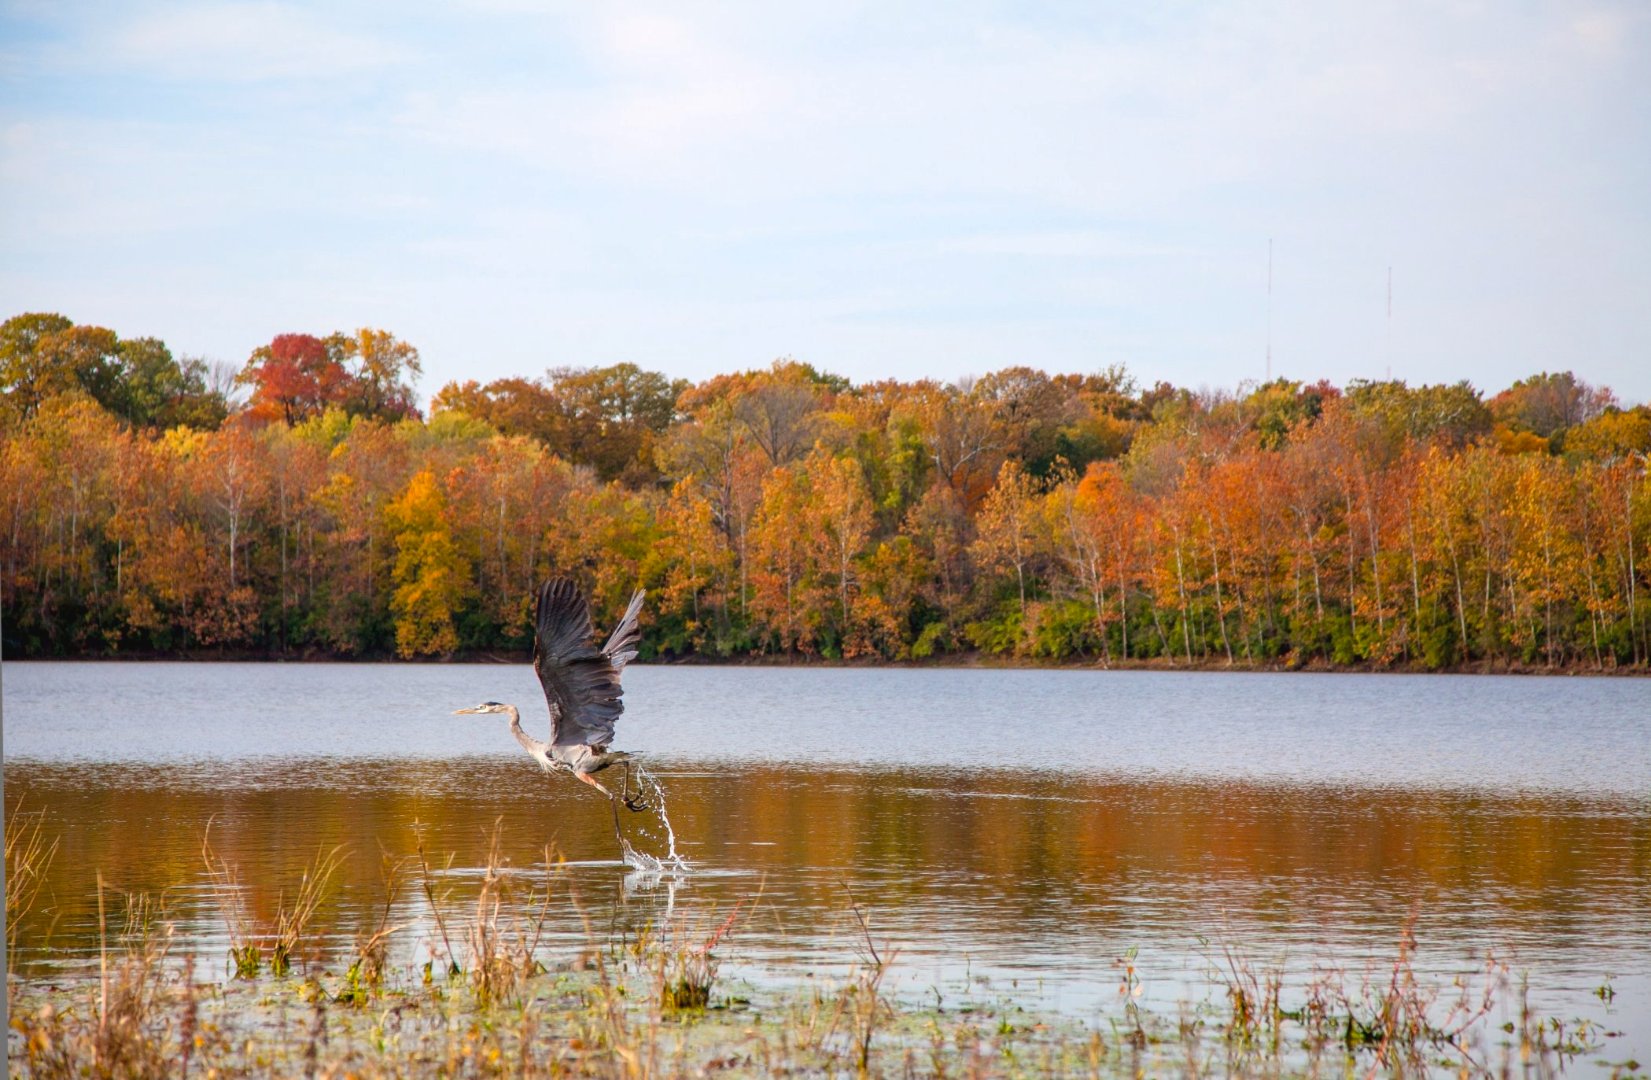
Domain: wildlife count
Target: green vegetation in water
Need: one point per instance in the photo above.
(494, 1000)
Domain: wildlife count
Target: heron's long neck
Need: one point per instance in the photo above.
(533, 746)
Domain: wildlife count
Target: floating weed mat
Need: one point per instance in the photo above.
(161, 1021)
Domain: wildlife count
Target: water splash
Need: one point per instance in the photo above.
(652, 796)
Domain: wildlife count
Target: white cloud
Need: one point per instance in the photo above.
(665, 99)
(717, 182)
(245, 42)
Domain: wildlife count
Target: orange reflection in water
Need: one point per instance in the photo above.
(1030, 860)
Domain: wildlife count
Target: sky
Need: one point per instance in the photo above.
(878, 189)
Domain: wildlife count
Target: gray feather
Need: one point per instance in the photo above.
(622, 646)
(581, 681)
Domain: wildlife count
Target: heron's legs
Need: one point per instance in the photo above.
(593, 782)
(633, 803)
(613, 804)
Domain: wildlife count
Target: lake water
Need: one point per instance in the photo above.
(1010, 833)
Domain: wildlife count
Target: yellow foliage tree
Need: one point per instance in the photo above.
(432, 578)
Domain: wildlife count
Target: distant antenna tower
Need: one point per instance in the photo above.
(1269, 309)
(1389, 324)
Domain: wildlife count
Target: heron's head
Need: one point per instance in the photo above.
(484, 707)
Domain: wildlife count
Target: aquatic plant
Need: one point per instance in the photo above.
(436, 902)
(292, 915)
(505, 930)
(28, 856)
(245, 956)
(292, 919)
(687, 971)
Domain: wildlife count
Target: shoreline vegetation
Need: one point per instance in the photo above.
(501, 993)
(301, 506)
(974, 661)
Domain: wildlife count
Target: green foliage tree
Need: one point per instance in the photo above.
(1453, 413)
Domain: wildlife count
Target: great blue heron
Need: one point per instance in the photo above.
(582, 686)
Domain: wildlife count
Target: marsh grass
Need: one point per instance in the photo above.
(687, 968)
(293, 914)
(140, 1018)
(1402, 1021)
(437, 901)
(365, 976)
(650, 1004)
(507, 926)
(28, 856)
(862, 999)
(246, 958)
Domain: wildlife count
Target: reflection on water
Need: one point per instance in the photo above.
(1016, 875)
(1035, 877)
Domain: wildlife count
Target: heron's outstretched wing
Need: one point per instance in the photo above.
(621, 647)
(581, 682)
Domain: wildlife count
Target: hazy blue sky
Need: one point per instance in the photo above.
(878, 189)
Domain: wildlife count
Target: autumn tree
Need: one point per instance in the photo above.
(153, 389)
(1278, 408)
(1546, 404)
(294, 377)
(693, 600)
(1078, 535)
(1453, 414)
(507, 497)
(381, 372)
(713, 451)
(612, 418)
(1614, 435)
(512, 406)
(135, 379)
(785, 510)
(26, 377)
(1010, 530)
(1034, 412)
(964, 435)
(366, 470)
(780, 409)
(432, 577)
(168, 574)
(841, 512)
(783, 595)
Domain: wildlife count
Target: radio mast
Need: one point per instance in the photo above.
(1389, 324)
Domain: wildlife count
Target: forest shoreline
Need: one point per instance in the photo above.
(957, 662)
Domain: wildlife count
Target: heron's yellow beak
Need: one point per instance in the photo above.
(464, 712)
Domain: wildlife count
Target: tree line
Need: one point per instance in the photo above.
(303, 505)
